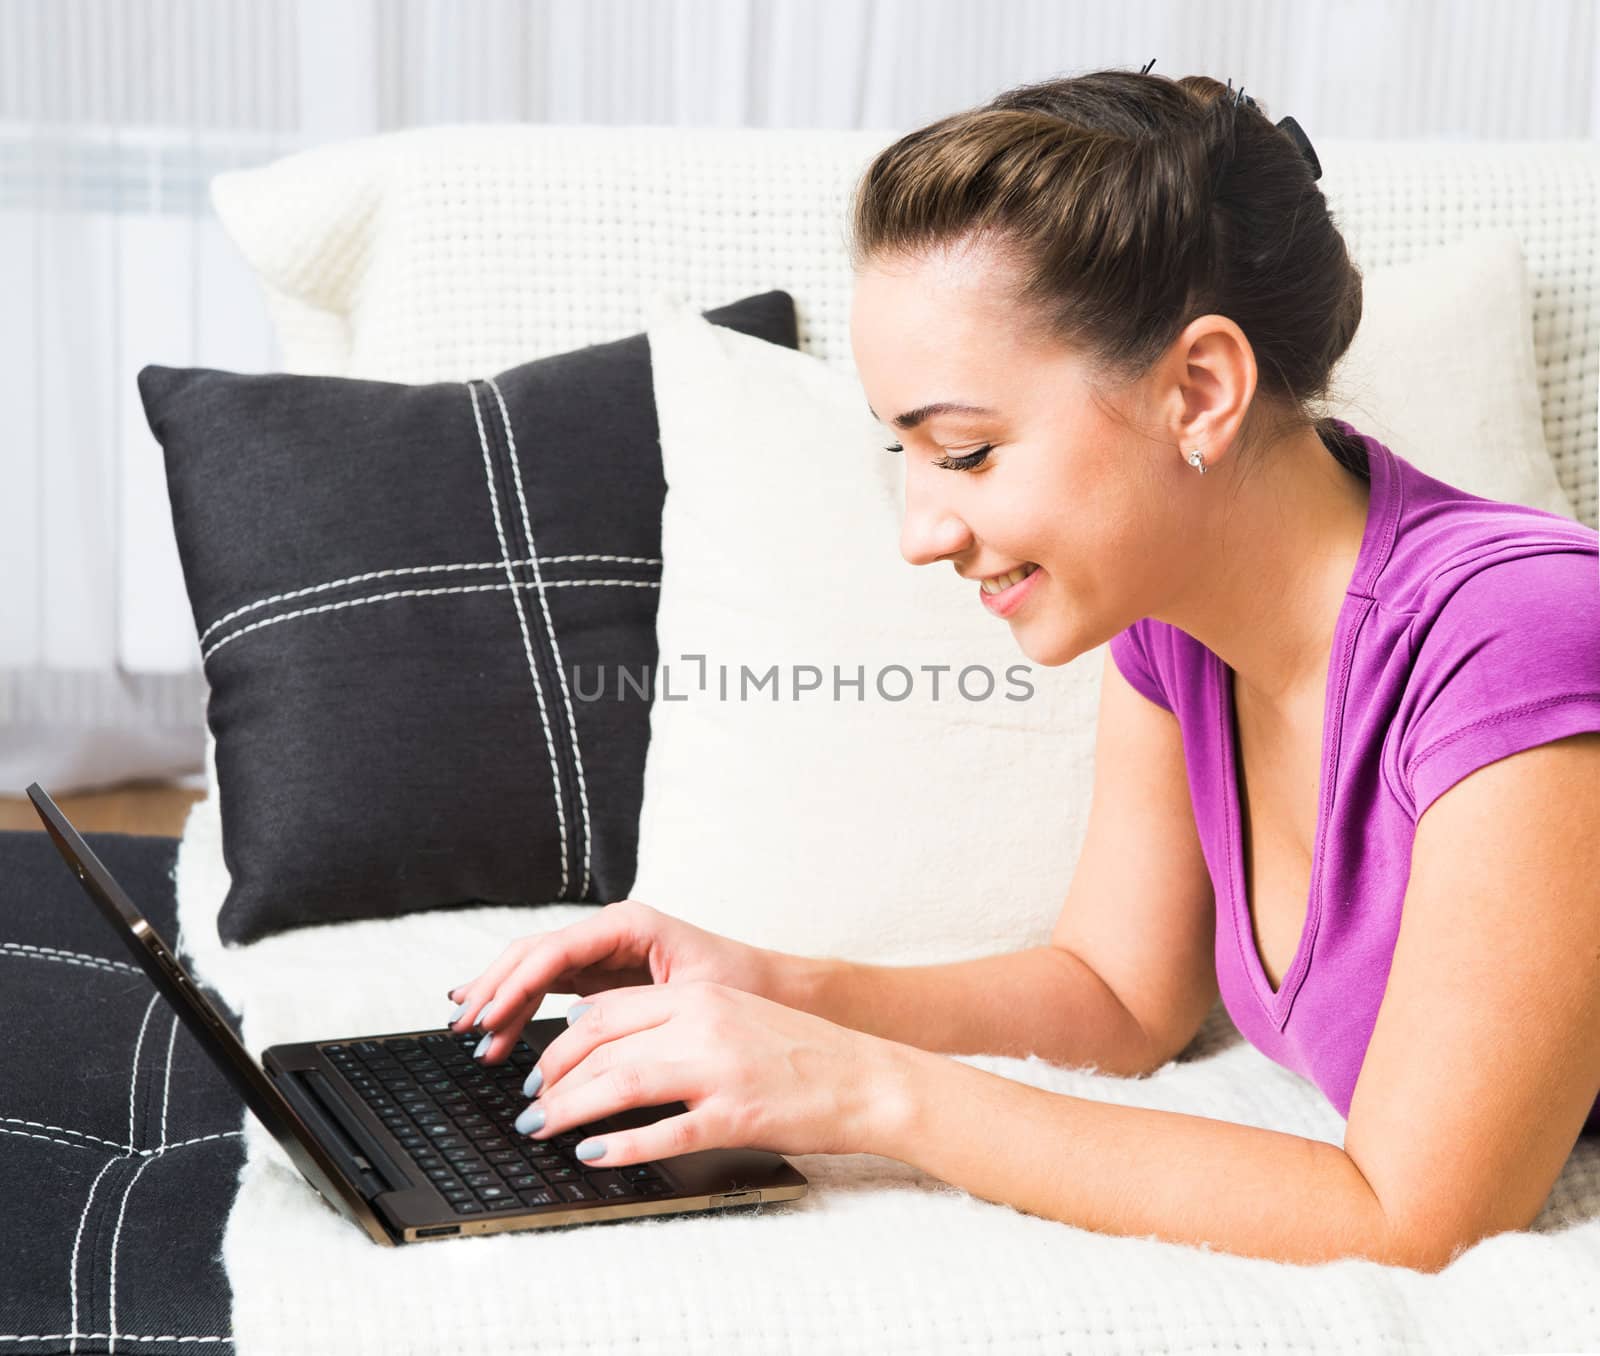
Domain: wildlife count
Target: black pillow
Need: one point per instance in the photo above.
(427, 617)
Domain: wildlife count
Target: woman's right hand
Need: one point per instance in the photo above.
(626, 943)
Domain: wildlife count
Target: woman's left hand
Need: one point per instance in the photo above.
(753, 1073)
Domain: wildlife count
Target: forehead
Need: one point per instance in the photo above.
(937, 327)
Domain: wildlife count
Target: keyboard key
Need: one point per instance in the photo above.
(537, 1196)
(609, 1184)
(576, 1191)
(504, 1156)
(481, 1179)
(494, 1195)
(469, 1207)
(524, 1180)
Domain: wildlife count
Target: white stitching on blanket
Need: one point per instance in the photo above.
(410, 569)
(122, 1210)
(133, 1082)
(78, 1238)
(45, 1125)
(116, 1239)
(137, 1153)
(57, 1336)
(69, 957)
(550, 630)
(527, 643)
(166, 1083)
(71, 1144)
(422, 593)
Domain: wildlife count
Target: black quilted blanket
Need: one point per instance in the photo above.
(120, 1143)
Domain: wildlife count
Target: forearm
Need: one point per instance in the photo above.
(1042, 1001)
(1125, 1170)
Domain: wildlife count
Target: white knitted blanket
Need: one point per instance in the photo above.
(876, 1258)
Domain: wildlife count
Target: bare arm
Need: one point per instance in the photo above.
(1129, 1170)
(1482, 1068)
(1043, 1001)
(1128, 975)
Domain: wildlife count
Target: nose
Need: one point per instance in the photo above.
(931, 529)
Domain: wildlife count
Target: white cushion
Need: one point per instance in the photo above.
(1442, 370)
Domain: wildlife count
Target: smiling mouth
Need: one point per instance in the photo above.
(1001, 582)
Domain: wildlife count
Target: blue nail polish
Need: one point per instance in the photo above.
(591, 1149)
(482, 1046)
(534, 1082)
(576, 1011)
(530, 1120)
(456, 1015)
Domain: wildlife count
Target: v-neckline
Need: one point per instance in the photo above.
(1277, 1004)
(1352, 610)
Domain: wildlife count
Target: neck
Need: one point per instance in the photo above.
(1279, 548)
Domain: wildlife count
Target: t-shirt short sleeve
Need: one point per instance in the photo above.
(1130, 651)
(1510, 661)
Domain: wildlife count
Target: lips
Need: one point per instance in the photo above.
(1009, 599)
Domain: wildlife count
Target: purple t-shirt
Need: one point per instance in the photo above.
(1470, 631)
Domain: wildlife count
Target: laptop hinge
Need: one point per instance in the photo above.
(362, 1158)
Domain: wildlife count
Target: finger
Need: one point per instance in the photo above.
(518, 989)
(596, 1042)
(477, 994)
(638, 1084)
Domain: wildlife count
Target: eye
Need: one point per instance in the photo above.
(967, 462)
(894, 447)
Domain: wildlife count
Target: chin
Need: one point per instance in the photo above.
(1049, 649)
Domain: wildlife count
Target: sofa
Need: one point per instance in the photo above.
(444, 254)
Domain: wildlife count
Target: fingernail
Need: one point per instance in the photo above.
(456, 1015)
(482, 1046)
(591, 1149)
(534, 1082)
(530, 1120)
(483, 1014)
(576, 1011)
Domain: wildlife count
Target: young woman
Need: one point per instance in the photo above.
(1348, 758)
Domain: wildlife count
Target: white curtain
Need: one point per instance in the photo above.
(115, 113)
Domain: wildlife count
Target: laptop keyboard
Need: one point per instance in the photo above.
(454, 1117)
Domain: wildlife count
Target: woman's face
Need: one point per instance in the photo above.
(1064, 489)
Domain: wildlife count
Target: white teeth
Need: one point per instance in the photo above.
(1000, 582)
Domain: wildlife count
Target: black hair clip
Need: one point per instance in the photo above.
(1290, 127)
(1297, 135)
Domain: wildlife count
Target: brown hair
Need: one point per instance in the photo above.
(1126, 205)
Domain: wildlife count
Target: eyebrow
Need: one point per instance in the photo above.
(911, 418)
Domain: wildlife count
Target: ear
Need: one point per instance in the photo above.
(1210, 379)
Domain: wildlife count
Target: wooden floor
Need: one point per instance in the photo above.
(136, 808)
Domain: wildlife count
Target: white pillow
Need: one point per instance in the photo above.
(1442, 370)
(920, 831)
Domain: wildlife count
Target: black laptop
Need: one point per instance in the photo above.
(408, 1134)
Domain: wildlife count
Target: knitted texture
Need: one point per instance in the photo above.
(877, 1257)
(439, 253)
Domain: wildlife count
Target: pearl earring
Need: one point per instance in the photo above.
(1197, 461)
